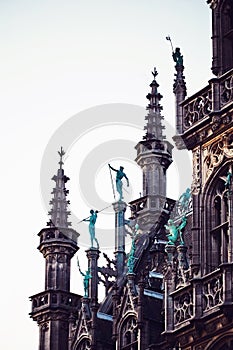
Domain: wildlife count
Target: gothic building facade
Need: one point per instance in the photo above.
(174, 289)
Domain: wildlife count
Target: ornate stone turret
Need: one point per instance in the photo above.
(58, 243)
(59, 212)
(154, 155)
(179, 89)
(154, 128)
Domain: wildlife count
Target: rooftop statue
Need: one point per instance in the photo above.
(119, 176)
(228, 179)
(131, 259)
(86, 277)
(92, 219)
(184, 200)
(175, 232)
(177, 57)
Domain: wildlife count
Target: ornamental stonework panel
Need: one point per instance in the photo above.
(214, 154)
(183, 307)
(196, 183)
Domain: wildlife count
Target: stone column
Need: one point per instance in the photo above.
(120, 208)
(182, 258)
(93, 256)
(168, 288)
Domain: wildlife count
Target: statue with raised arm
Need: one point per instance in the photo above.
(92, 220)
(175, 232)
(184, 200)
(177, 57)
(119, 176)
(86, 277)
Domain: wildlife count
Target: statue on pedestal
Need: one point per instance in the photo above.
(92, 219)
(86, 277)
(119, 176)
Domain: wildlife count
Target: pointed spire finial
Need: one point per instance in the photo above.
(154, 127)
(59, 212)
(61, 154)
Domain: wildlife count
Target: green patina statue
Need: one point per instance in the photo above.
(92, 219)
(184, 200)
(86, 277)
(177, 57)
(131, 258)
(228, 179)
(119, 176)
(175, 232)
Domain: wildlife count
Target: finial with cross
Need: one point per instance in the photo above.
(61, 154)
(155, 73)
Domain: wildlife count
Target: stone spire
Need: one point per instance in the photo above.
(154, 155)
(154, 128)
(53, 308)
(180, 91)
(59, 213)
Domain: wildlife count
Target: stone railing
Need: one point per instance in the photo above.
(183, 306)
(203, 296)
(53, 233)
(54, 299)
(212, 295)
(212, 98)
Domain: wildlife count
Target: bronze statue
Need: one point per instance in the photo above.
(92, 220)
(86, 277)
(177, 57)
(175, 232)
(119, 176)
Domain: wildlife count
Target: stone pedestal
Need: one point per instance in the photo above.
(120, 208)
(93, 256)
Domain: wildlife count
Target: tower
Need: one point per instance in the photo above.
(199, 311)
(179, 89)
(137, 292)
(53, 307)
(154, 155)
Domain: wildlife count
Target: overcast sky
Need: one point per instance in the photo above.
(59, 58)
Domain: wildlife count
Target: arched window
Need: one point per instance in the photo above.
(225, 343)
(217, 217)
(129, 334)
(84, 344)
(217, 207)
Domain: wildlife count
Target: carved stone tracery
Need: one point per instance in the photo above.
(197, 109)
(226, 90)
(183, 307)
(213, 293)
(213, 154)
(129, 333)
(196, 183)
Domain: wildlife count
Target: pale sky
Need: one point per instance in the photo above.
(59, 58)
